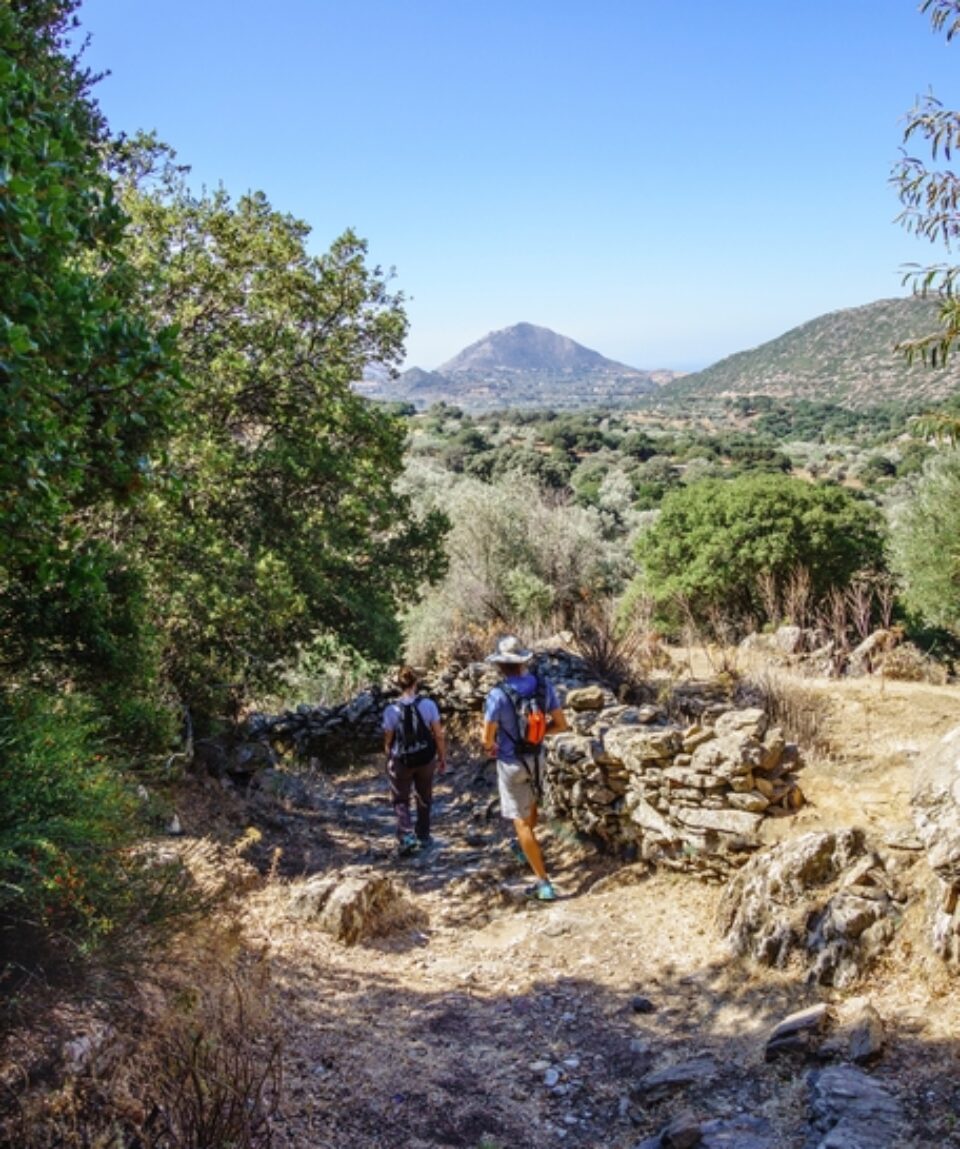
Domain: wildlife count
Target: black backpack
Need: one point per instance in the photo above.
(531, 716)
(415, 743)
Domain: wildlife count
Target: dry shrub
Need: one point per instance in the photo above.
(908, 663)
(801, 712)
(213, 1069)
(195, 1063)
(469, 643)
(616, 654)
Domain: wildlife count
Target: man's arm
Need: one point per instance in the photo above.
(557, 721)
(490, 739)
(441, 740)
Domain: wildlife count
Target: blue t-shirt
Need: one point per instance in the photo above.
(498, 708)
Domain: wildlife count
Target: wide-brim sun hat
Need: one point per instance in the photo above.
(510, 652)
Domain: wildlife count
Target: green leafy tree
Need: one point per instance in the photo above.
(283, 524)
(712, 540)
(88, 391)
(86, 385)
(925, 543)
(931, 198)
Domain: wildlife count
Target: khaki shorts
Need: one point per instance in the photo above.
(517, 794)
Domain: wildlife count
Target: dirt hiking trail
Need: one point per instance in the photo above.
(482, 1020)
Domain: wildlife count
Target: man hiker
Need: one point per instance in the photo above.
(517, 714)
(416, 750)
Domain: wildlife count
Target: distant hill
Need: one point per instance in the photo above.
(844, 357)
(525, 347)
(523, 366)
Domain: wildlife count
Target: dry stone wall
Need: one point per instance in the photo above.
(690, 794)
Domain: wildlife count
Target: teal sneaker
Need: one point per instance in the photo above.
(542, 891)
(408, 844)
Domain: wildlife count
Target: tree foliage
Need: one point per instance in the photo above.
(926, 543)
(931, 199)
(86, 385)
(281, 521)
(714, 539)
(88, 388)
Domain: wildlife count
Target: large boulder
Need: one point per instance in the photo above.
(351, 904)
(822, 897)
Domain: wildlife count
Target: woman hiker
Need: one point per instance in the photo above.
(416, 750)
(520, 761)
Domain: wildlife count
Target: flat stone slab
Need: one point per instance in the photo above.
(663, 1082)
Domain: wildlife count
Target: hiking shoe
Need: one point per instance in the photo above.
(408, 844)
(542, 891)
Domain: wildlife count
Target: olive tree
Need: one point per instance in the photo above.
(925, 543)
(931, 199)
(518, 557)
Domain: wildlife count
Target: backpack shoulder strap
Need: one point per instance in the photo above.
(512, 695)
(425, 725)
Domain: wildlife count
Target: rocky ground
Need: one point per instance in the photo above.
(613, 1018)
(483, 1020)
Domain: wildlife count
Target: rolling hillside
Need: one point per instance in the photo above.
(844, 357)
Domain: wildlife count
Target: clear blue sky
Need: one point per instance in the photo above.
(666, 182)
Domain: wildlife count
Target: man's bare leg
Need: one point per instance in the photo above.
(529, 844)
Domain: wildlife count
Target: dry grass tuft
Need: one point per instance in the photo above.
(801, 712)
(908, 663)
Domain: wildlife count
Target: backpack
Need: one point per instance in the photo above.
(531, 716)
(415, 743)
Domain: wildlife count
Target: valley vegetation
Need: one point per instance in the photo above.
(201, 513)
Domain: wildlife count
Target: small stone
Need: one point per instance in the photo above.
(659, 1085)
(551, 1077)
(683, 1132)
(643, 1004)
(798, 1033)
